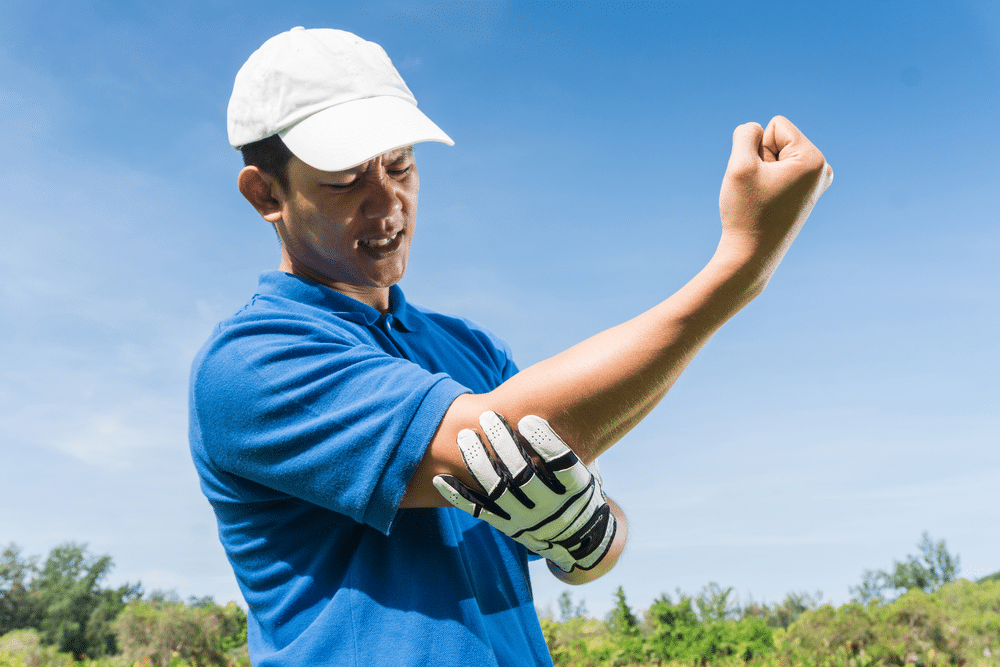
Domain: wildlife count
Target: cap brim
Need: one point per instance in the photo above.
(349, 134)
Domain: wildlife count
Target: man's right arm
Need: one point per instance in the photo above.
(595, 392)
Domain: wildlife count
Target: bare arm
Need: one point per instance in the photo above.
(598, 390)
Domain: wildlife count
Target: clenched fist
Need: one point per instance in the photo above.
(774, 178)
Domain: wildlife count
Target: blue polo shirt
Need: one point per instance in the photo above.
(309, 412)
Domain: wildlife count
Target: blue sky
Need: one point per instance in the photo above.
(848, 409)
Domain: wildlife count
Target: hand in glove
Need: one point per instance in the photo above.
(557, 509)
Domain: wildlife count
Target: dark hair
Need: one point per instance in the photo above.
(271, 156)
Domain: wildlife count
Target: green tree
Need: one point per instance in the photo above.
(782, 615)
(567, 611)
(621, 621)
(15, 573)
(872, 587)
(674, 628)
(624, 628)
(956, 624)
(714, 605)
(934, 567)
(24, 648)
(677, 634)
(927, 572)
(201, 602)
(71, 609)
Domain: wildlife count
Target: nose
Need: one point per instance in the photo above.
(382, 199)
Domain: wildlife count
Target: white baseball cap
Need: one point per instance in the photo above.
(334, 99)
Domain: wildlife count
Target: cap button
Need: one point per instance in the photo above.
(298, 27)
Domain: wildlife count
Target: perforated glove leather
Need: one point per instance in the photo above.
(557, 509)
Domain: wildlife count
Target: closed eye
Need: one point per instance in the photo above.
(341, 186)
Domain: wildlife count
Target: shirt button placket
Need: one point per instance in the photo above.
(388, 324)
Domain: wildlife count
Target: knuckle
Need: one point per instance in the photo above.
(741, 171)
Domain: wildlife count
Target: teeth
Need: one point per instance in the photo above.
(379, 243)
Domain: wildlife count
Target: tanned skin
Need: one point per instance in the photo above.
(351, 231)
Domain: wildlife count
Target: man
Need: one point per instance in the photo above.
(330, 418)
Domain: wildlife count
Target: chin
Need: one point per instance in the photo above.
(389, 278)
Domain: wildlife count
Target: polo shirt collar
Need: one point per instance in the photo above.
(311, 293)
(407, 317)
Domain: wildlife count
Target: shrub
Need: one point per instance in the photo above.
(162, 630)
(957, 624)
(23, 648)
(676, 634)
(578, 641)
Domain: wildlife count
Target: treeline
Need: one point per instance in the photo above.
(57, 612)
(62, 598)
(914, 613)
(957, 624)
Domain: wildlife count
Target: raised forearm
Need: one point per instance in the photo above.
(596, 391)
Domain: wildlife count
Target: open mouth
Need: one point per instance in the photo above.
(383, 246)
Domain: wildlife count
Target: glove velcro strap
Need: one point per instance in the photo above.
(585, 549)
(589, 545)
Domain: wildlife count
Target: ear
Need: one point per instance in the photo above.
(263, 192)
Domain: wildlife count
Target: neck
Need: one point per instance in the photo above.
(370, 295)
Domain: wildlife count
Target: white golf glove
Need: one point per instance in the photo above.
(558, 511)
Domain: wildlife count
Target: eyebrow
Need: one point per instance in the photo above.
(405, 154)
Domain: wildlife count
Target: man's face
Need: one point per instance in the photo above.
(351, 230)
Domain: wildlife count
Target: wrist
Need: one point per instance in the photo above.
(577, 576)
(742, 266)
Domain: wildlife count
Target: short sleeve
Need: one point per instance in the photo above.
(317, 414)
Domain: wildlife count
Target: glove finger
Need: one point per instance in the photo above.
(521, 472)
(470, 501)
(567, 474)
(457, 494)
(504, 443)
(503, 487)
(480, 462)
